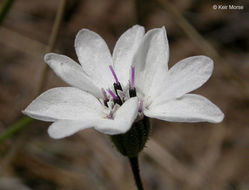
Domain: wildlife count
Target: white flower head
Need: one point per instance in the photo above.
(110, 92)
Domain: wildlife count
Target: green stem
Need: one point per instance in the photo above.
(5, 9)
(15, 128)
(135, 169)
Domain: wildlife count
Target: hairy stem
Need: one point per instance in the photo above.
(135, 169)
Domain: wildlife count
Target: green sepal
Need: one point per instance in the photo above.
(134, 140)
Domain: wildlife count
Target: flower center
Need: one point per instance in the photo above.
(118, 95)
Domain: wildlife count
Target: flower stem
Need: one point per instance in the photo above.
(15, 128)
(135, 169)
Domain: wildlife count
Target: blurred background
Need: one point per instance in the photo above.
(179, 156)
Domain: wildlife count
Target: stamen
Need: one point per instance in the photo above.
(105, 97)
(117, 86)
(116, 98)
(132, 77)
(132, 90)
(114, 74)
(140, 108)
(112, 94)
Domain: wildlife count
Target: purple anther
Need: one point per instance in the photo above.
(112, 94)
(132, 77)
(140, 108)
(114, 74)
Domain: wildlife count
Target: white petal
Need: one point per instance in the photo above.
(125, 50)
(186, 76)
(65, 103)
(151, 62)
(71, 72)
(189, 108)
(123, 119)
(122, 122)
(64, 128)
(94, 56)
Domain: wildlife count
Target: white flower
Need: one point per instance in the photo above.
(110, 92)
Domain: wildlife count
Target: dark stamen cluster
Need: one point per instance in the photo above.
(117, 86)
